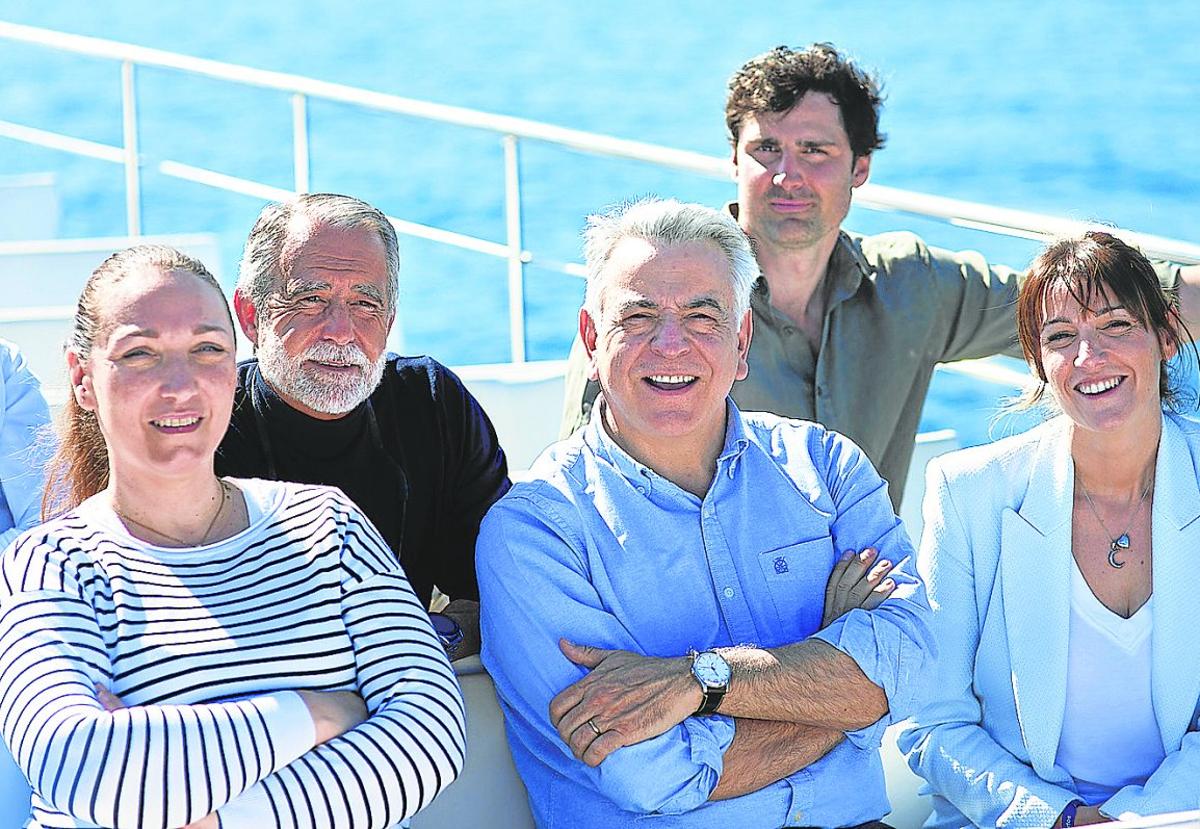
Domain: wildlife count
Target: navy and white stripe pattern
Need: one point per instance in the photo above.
(205, 645)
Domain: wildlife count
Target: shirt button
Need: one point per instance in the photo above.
(729, 592)
(642, 490)
(799, 816)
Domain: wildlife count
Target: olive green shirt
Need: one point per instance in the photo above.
(896, 309)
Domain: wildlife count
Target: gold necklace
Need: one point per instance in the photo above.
(1119, 542)
(221, 502)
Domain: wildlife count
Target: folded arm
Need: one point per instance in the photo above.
(115, 768)
(535, 589)
(638, 697)
(413, 743)
(861, 672)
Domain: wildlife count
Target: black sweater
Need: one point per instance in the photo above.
(425, 482)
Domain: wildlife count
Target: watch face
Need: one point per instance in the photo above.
(445, 627)
(711, 669)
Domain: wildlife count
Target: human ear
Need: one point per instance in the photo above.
(745, 332)
(80, 377)
(588, 335)
(247, 315)
(861, 171)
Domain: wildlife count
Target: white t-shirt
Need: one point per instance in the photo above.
(1110, 735)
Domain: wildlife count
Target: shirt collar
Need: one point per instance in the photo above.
(847, 268)
(601, 443)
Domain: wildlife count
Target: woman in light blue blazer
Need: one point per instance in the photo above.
(1062, 567)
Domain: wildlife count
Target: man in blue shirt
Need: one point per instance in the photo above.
(666, 616)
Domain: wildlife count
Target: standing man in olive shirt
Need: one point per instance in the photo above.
(847, 328)
(323, 403)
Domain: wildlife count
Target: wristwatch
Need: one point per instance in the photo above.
(712, 672)
(448, 631)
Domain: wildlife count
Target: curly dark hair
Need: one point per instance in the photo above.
(775, 81)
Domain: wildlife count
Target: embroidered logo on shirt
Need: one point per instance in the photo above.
(781, 565)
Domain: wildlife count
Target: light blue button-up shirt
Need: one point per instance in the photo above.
(600, 550)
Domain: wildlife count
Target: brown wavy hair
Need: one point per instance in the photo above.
(79, 467)
(1090, 267)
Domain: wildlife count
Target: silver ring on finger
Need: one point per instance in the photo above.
(595, 728)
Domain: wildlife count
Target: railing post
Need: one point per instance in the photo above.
(300, 164)
(129, 130)
(516, 261)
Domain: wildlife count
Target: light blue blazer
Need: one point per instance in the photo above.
(996, 558)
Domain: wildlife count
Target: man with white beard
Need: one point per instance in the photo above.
(322, 402)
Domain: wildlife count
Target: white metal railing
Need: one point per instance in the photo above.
(512, 130)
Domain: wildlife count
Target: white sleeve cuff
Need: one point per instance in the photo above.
(290, 725)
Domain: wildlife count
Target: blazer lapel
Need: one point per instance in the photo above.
(1035, 567)
(1175, 526)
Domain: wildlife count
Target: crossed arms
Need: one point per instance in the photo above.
(543, 580)
(254, 761)
(790, 705)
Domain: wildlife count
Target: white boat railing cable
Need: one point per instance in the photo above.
(512, 130)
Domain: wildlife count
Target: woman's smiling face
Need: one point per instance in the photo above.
(1102, 364)
(161, 373)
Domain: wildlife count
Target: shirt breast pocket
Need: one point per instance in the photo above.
(795, 576)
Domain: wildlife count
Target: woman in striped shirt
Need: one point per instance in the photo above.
(182, 650)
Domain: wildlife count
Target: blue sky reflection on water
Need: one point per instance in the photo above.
(1086, 110)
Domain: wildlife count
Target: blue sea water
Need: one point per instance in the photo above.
(1080, 109)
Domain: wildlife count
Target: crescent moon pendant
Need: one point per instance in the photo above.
(1112, 557)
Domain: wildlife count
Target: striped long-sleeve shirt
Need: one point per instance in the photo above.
(206, 645)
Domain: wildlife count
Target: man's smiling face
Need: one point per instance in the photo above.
(321, 337)
(665, 344)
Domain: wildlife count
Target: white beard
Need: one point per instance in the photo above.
(324, 392)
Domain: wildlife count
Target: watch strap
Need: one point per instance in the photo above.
(712, 701)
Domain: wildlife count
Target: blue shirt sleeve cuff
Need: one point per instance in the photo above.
(884, 655)
(709, 738)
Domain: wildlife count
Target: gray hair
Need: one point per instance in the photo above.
(668, 222)
(263, 267)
